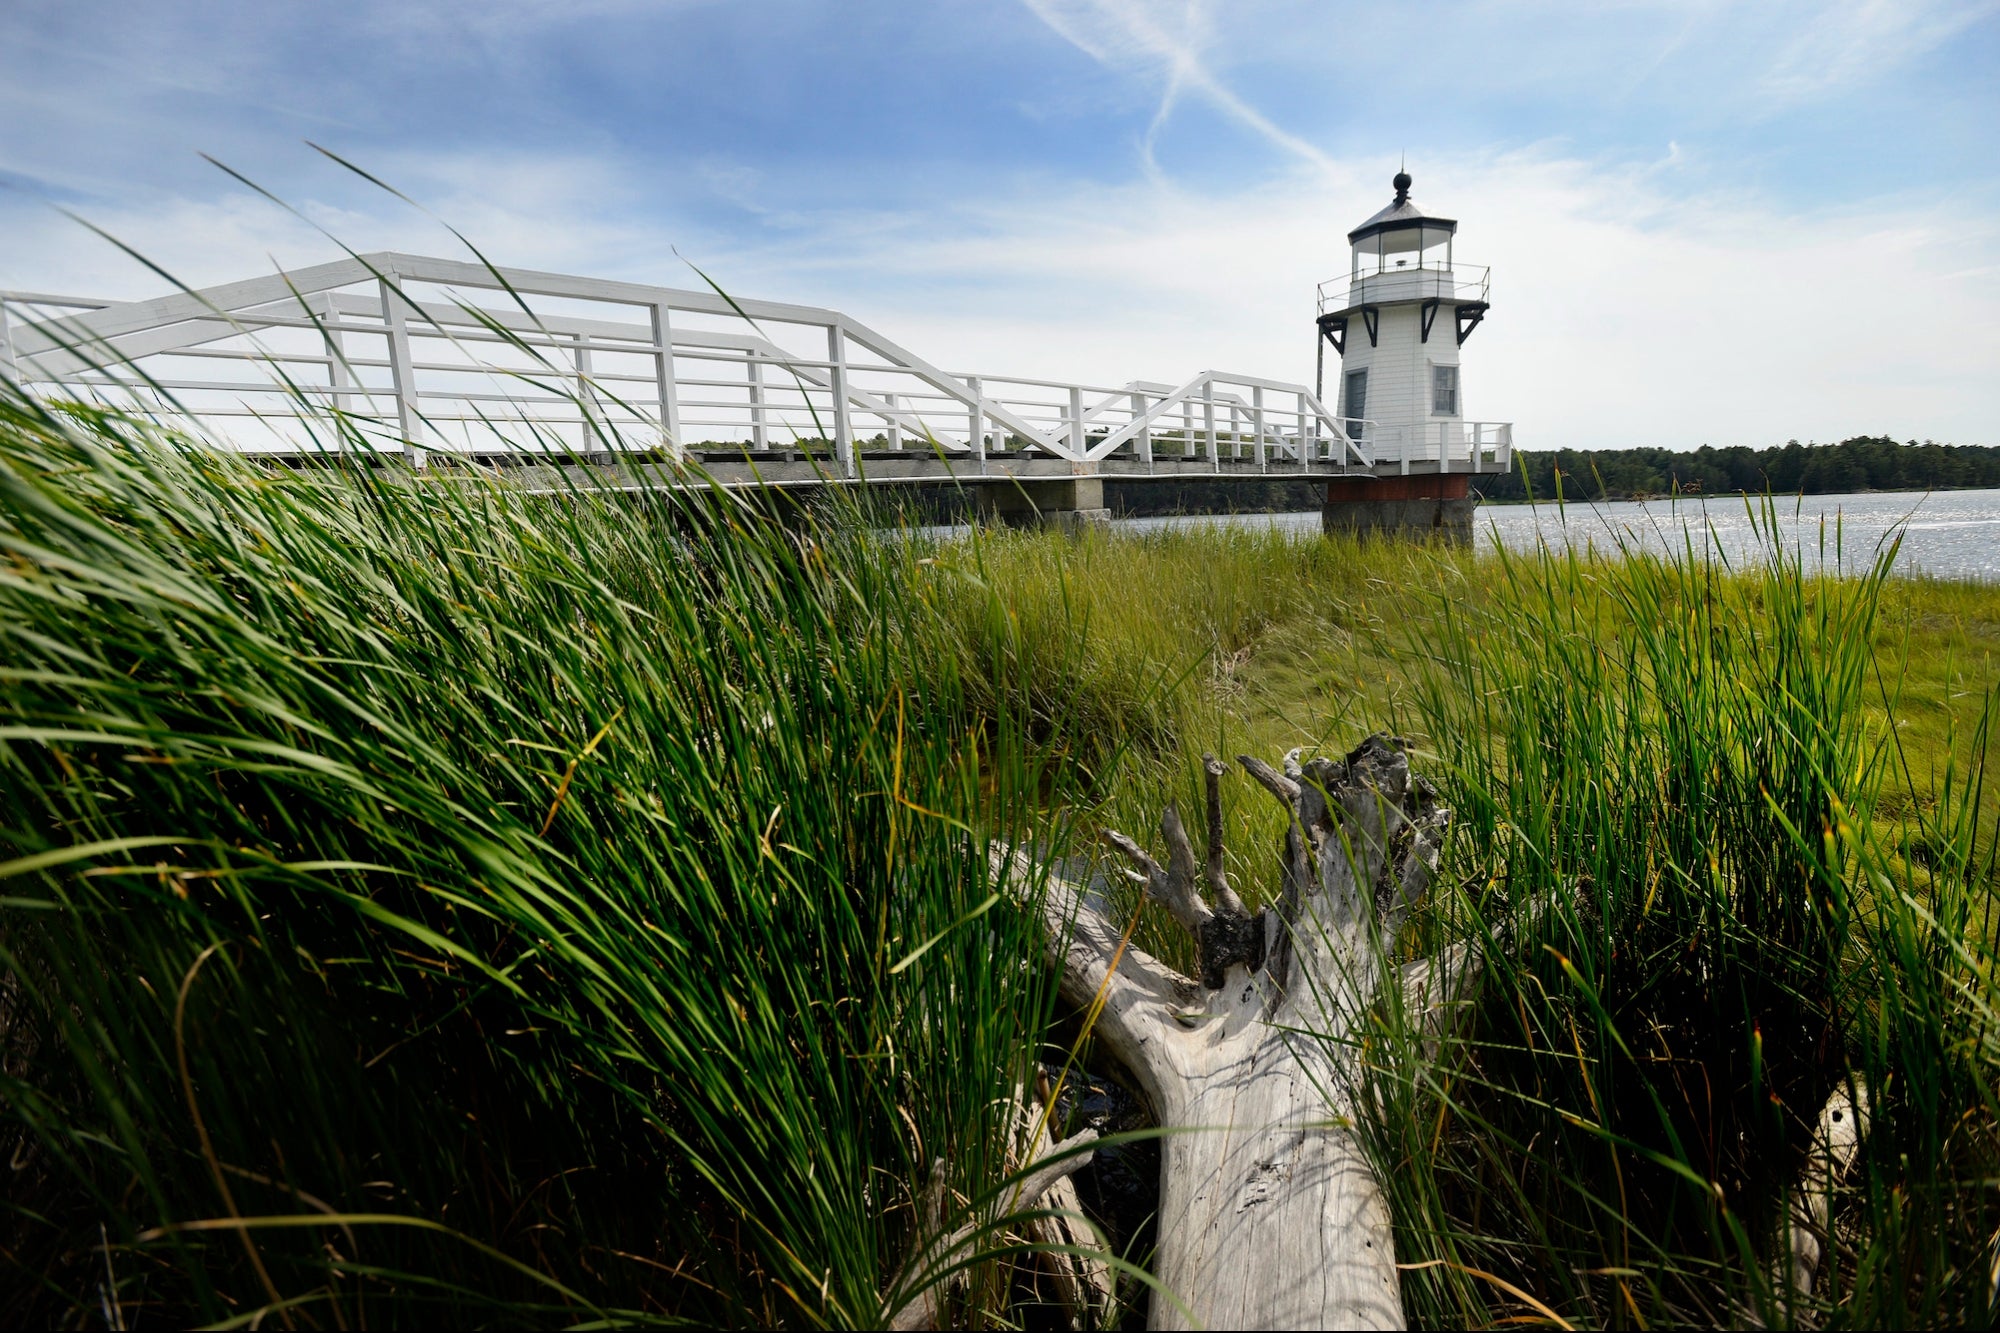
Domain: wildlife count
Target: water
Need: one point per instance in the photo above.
(1952, 534)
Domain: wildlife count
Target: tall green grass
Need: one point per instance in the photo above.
(429, 902)
(1724, 833)
(1151, 648)
(1696, 931)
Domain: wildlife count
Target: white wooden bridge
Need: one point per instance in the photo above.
(432, 360)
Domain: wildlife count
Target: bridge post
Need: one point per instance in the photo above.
(663, 378)
(1257, 425)
(895, 424)
(843, 418)
(338, 374)
(8, 370)
(977, 437)
(1415, 505)
(1145, 437)
(409, 417)
(760, 430)
(594, 434)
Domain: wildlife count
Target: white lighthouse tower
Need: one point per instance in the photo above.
(1397, 322)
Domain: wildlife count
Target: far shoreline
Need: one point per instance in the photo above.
(1647, 497)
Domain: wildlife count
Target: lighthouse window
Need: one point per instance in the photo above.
(1444, 391)
(1357, 401)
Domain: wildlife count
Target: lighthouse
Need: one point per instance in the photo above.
(1398, 323)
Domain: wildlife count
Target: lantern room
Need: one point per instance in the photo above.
(1400, 238)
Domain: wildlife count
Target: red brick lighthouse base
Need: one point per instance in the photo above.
(1402, 506)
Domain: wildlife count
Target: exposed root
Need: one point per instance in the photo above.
(1836, 1143)
(918, 1295)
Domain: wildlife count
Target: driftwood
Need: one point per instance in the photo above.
(1082, 1280)
(1075, 1262)
(1270, 1215)
(1836, 1143)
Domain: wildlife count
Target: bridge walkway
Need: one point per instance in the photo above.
(428, 360)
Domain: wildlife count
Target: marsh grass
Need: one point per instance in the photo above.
(1165, 644)
(428, 902)
(1239, 638)
(1752, 803)
(1697, 930)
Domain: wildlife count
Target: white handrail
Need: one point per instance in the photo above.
(441, 355)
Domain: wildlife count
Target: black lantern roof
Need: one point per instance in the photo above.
(1401, 214)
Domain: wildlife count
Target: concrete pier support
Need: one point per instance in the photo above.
(1069, 503)
(1403, 506)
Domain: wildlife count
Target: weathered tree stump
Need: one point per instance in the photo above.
(1270, 1214)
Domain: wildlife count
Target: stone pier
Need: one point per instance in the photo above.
(1400, 506)
(1069, 503)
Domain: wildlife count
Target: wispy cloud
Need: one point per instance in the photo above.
(1839, 43)
(1166, 40)
(1623, 314)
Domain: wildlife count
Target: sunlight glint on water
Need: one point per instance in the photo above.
(1951, 534)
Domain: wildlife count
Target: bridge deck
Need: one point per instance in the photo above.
(791, 469)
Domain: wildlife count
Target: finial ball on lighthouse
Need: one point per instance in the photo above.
(1397, 323)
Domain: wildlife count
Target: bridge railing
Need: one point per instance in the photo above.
(429, 355)
(1452, 446)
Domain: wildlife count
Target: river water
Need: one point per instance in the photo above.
(1952, 534)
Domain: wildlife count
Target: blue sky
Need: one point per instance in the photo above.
(1708, 222)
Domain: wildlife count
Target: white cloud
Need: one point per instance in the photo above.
(1622, 316)
(568, 211)
(1625, 312)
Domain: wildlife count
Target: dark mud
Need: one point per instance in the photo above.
(1120, 1189)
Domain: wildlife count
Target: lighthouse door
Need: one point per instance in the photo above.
(1354, 407)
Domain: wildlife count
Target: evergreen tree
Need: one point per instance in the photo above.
(1863, 463)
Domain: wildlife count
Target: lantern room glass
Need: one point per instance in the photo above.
(1404, 250)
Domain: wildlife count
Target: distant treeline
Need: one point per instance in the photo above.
(1864, 463)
